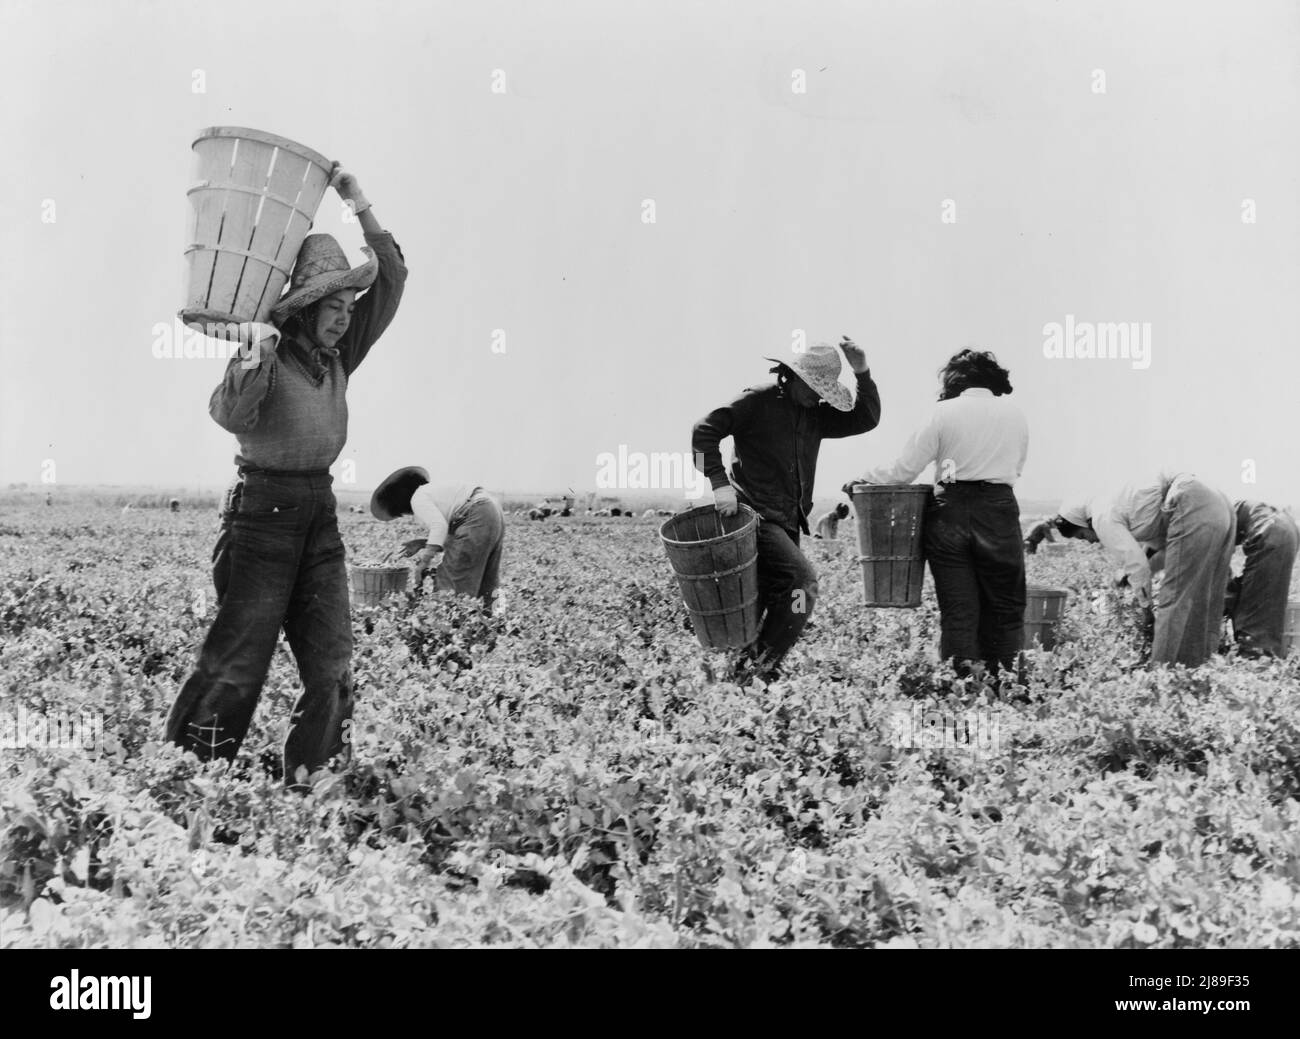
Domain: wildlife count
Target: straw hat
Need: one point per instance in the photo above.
(392, 498)
(322, 268)
(819, 367)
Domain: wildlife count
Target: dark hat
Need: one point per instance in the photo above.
(392, 498)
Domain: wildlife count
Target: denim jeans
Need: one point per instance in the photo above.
(787, 588)
(279, 564)
(977, 559)
(471, 558)
(1259, 614)
(1198, 553)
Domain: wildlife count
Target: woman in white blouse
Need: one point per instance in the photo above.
(977, 441)
(466, 528)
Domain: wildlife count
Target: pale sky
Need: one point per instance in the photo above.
(774, 211)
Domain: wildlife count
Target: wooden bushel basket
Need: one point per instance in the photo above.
(715, 558)
(1044, 608)
(372, 584)
(254, 200)
(889, 542)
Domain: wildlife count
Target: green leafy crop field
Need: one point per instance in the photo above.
(576, 771)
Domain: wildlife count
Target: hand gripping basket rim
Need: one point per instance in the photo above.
(751, 519)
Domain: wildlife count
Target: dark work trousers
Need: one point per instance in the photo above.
(977, 559)
(1259, 616)
(1198, 556)
(279, 564)
(787, 589)
(471, 560)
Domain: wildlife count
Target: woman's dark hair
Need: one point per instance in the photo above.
(302, 322)
(784, 373)
(973, 369)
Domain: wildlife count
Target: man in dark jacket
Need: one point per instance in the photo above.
(777, 432)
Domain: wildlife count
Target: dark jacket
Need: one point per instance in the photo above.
(776, 445)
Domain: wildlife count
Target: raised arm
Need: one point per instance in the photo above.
(865, 415)
(378, 305)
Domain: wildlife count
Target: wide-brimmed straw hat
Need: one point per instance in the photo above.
(819, 367)
(392, 498)
(322, 268)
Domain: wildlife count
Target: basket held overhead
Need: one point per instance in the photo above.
(253, 202)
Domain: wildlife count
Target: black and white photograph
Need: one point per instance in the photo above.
(628, 475)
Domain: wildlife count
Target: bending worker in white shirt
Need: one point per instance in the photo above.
(1194, 526)
(466, 527)
(977, 440)
(828, 524)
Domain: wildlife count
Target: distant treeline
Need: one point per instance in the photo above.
(137, 498)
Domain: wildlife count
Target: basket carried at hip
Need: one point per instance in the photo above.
(889, 542)
(715, 559)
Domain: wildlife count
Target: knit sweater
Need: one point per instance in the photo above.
(290, 412)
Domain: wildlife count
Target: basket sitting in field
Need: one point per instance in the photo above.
(372, 582)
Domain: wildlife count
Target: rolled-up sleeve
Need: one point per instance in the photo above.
(236, 403)
(377, 307)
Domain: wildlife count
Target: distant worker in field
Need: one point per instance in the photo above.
(828, 523)
(1188, 528)
(466, 530)
(1041, 531)
(1256, 601)
(777, 432)
(279, 561)
(977, 440)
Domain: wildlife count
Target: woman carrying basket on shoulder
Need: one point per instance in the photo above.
(279, 560)
(977, 440)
